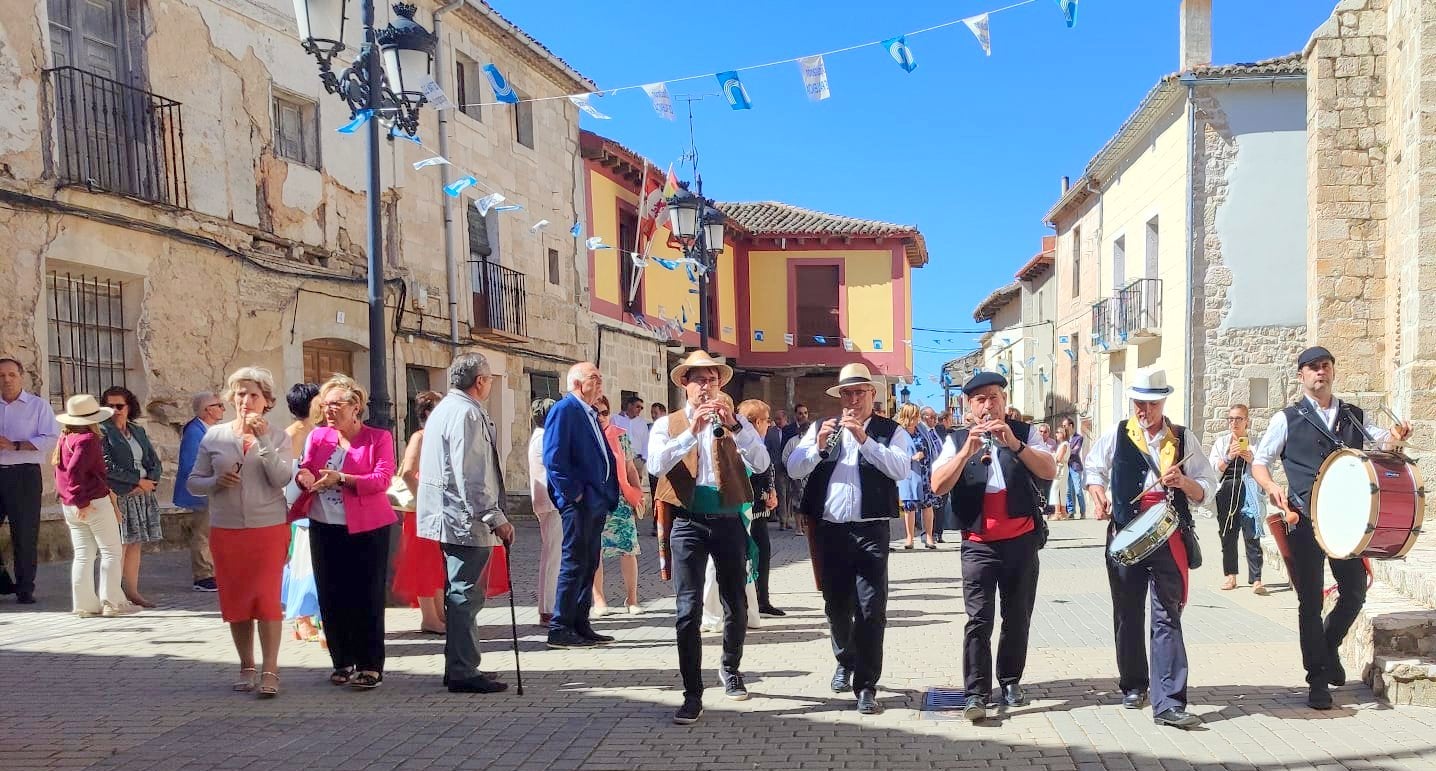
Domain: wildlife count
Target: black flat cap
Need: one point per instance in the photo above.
(1312, 355)
(982, 379)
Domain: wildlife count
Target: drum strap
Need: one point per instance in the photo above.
(1321, 426)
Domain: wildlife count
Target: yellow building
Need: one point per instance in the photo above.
(795, 296)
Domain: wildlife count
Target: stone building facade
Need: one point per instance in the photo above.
(176, 203)
(1371, 163)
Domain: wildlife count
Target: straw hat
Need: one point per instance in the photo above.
(83, 410)
(851, 375)
(698, 360)
(1149, 385)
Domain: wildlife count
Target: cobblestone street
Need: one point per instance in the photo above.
(152, 691)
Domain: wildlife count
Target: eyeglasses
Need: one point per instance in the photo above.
(212, 406)
(118, 406)
(703, 380)
(335, 405)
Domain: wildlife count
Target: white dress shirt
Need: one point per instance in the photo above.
(28, 419)
(1274, 440)
(996, 482)
(638, 430)
(665, 452)
(1098, 468)
(845, 495)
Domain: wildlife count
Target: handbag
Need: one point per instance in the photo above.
(1192, 545)
(399, 495)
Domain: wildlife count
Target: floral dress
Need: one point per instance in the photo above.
(620, 531)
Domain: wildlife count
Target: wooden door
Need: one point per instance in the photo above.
(323, 360)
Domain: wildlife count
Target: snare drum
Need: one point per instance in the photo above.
(1367, 505)
(1143, 535)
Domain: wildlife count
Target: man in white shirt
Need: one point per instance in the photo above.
(703, 455)
(1145, 461)
(1303, 436)
(852, 466)
(994, 472)
(28, 432)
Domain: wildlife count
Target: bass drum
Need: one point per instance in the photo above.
(1367, 505)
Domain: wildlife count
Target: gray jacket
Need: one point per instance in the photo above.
(461, 486)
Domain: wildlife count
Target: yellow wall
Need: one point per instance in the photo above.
(664, 291)
(868, 283)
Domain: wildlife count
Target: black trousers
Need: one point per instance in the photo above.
(1232, 526)
(997, 574)
(1163, 576)
(20, 487)
(759, 530)
(1319, 640)
(349, 572)
(692, 540)
(855, 595)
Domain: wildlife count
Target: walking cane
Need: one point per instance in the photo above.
(513, 620)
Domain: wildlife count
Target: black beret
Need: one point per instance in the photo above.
(982, 379)
(1312, 355)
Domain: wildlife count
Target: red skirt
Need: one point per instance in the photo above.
(249, 571)
(419, 571)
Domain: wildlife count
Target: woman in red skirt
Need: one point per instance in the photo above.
(243, 466)
(419, 575)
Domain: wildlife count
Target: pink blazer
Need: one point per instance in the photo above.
(370, 461)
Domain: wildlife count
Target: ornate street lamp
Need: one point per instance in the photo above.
(683, 210)
(407, 53)
(713, 221)
(699, 226)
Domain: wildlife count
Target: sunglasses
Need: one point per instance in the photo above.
(603, 414)
(118, 406)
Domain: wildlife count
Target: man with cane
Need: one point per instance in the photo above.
(460, 505)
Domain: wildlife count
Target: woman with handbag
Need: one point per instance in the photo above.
(419, 576)
(243, 467)
(133, 472)
(89, 509)
(620, 531)
(345, 474)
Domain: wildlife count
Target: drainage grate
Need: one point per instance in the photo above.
(943, 703)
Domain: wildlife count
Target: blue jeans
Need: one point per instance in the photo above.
(582, 541)
(1076, 494)
(463, 599)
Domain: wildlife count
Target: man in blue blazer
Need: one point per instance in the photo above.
(583, 482)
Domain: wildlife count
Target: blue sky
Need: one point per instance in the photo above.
(969, 148)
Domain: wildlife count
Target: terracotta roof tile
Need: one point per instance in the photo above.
(770, 218)
(995, 302)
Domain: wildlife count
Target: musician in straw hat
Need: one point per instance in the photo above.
(1303, 436)
(702, 455)
(1140, 463)
(994, 471)
(853, 464)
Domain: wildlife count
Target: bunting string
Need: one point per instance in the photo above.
(1064, 4)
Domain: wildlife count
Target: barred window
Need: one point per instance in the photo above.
(88, 331)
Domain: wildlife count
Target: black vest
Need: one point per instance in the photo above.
(967, 496)
(1307, 446)
(879, 491)
(1129, 477)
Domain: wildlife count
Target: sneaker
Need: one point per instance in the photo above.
(567, 639)
(689, 713)
(733, 687)
(205, 585)
(86, 613)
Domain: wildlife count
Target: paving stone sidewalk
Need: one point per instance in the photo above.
(152, 691)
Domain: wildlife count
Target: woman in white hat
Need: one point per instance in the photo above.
(80, 481)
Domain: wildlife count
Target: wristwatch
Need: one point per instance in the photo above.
(1020, 447)
(736, 427)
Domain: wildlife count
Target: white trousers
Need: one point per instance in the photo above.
(550, 554)
(96, 534)
(713, 604)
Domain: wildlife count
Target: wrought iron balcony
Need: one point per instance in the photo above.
(499, 302)
(1132, 315)
(116, 138)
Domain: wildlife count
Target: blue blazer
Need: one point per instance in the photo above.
(573, 456)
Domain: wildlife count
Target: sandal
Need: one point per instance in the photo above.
(245, 683)
(341, 676)
(366, 680)
(268, 691)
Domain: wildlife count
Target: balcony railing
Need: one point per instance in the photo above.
(1131, 315)
(499, 308)
(116, 138)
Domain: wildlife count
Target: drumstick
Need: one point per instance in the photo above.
(1158, 483)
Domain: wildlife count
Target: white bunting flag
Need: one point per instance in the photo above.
(848, 345)
(815, 77)
(437, 160)
(788, 338)
(537, 226)
(662, 102)
(488, 202)
(434, 95)
(595, 243)
(581, 102)
(978, 25)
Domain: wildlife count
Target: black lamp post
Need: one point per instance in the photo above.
(699, 226)
(385, 80)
